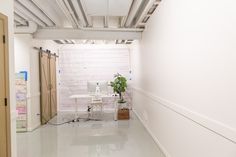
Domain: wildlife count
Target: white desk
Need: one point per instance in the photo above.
(81, 96)
(87, 96)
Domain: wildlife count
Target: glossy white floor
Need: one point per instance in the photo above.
(105, 138)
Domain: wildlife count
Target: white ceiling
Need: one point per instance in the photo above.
(92, 16)
(107, 7)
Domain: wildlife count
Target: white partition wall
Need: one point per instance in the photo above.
(27, 59)
(79, 64)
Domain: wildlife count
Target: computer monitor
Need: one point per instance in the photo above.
(103, 85)
(91, 87)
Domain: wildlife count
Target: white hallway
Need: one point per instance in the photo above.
(183, 88)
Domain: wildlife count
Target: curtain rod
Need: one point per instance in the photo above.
(45, 51)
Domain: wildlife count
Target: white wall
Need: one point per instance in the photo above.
(47, 45)
(184, 69)
(22, 47)
(79, 64)
(6, 8)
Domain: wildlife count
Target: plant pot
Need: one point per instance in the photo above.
(122, 105)
(121, 111)
(123, 114)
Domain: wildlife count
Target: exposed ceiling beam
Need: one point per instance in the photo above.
(58, 41)
(66, 7)
(71, 12)
(144, 12)
(16, 11)
(73, 41)
(122, 21)
(16, 23)
(19, 19)
(79, 12)
(37, 11)
(133, 11)
(66, 12)
(29, 29)
(88, 18)
(106, 18)
(142, 24)
(60, 34)
(28, 14)
(48, 11)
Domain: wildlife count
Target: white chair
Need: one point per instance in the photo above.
(96, 103)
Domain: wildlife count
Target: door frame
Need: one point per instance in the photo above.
(6, 50)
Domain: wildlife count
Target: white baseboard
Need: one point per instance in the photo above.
(34, 127)
(163, 149)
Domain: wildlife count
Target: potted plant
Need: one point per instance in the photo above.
(119, 86)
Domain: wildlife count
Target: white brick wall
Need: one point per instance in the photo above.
(79, 64)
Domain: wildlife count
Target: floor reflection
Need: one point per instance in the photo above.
(105, 138)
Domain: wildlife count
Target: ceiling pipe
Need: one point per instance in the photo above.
(44, 13)
(73, 41)
(16, 23)
(134, 9)
(16, 11)
(79, 12)
(71, 12)
(145, 11)
(88, 18)
(28, 14)
(37, 11)
(30, 29)
(124, 18)
(122, 21)
(19, 19)
(66, 12)
(106, 19)
(46, 8)
(63, 7)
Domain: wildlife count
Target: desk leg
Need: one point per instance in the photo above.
(101, 110)
(76, 108)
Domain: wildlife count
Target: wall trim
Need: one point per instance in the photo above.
(163, 149)
(212, 125)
